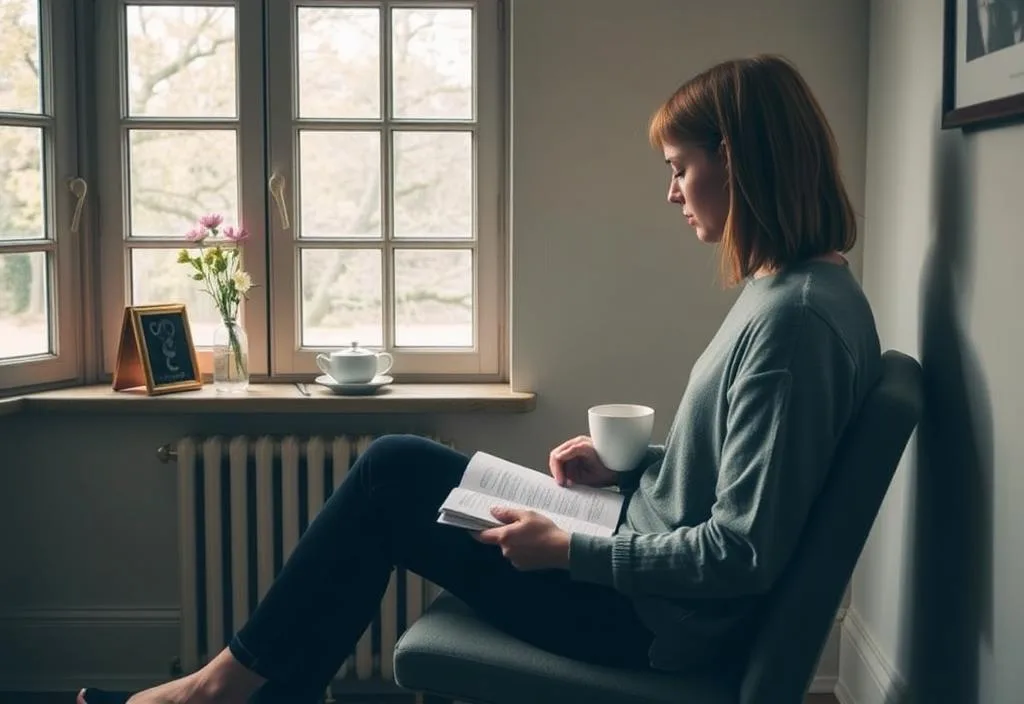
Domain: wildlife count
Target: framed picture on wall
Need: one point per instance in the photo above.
(983, 71)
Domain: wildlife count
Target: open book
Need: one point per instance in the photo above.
(491, 481)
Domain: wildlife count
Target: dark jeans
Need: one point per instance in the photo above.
(384, 515)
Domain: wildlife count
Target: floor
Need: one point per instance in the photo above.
(15, 698)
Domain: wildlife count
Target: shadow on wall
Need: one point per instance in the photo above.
(949, 600)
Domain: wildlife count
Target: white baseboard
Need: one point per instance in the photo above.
(60, 650)
(823, 684)
(866, 676)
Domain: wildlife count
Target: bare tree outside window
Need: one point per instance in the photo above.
(181, 65)
(340, 175)
(414, 255)
(24, 308)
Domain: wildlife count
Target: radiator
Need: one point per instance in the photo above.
(244, 502)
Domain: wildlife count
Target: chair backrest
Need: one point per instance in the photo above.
(801, 608)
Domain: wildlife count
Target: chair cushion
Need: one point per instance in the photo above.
(451, 652)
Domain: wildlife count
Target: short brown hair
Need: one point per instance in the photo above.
(787, 201)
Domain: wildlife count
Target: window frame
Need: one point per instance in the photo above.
(265, 68)
(113, 126)
(60, 167)
(486, 361)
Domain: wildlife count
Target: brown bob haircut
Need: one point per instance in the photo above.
(787, 202)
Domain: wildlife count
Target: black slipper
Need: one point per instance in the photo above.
(91, 695)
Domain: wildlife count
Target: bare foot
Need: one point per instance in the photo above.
(222, 681)
(185, 690)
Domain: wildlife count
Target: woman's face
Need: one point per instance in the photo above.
(700, 187)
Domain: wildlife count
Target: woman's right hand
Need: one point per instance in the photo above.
(575, 461)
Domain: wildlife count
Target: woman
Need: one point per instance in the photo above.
(712, 516)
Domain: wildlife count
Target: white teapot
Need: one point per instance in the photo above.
(354, 365)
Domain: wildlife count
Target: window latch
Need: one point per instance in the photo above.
(276, 186)
(79, 188)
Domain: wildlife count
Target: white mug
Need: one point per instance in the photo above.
(354, 365)
(621, 433)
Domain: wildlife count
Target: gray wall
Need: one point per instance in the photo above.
(612, 299)
(938, 597)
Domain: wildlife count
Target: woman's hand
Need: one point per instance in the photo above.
(576, 462)
(528, 540)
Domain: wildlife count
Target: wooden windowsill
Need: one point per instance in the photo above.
(10, 406)
(278, 398)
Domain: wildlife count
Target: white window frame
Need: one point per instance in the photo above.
(265, 126)
(113, 125)
(485, 361)
(60, 168)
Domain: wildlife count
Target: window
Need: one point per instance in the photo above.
(384, 118)
(38, 253)
(365, 162)
(181, 113)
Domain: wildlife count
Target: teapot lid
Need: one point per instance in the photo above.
(355, 351)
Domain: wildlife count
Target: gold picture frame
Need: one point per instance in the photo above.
(155, 350)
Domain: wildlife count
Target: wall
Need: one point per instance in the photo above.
(937, 611)
(612, 299)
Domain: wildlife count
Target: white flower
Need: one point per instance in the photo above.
(243, 282)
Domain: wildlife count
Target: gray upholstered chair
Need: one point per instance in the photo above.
(451, 654)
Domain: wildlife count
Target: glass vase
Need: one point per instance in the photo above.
(230, 358)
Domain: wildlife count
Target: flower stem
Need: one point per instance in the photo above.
(234, 345)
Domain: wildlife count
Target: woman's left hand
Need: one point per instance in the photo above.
(528, 540)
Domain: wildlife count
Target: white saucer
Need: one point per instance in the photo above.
(364, 388)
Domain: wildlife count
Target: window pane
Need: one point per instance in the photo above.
(432, 53)
(158, 278)
(433, 298)
(433, 184)
(21, 183)
(339, 187)
(339, 62)
(20, 88)
(179, 175)
(24, 305)
(181, 61)
(341, 297)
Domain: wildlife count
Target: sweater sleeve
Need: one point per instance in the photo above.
(628, 481)
(786, 407)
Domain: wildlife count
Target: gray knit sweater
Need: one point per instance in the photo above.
(714, 514)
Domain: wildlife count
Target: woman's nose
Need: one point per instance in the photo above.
(675, 193)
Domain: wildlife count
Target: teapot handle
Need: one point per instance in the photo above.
(324, 363)
(390, 362)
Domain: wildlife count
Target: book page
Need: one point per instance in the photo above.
(487, 474)
(459, 521)
(475, 509)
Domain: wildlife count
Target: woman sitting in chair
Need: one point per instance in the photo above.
(711, 517)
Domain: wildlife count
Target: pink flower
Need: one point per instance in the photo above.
(196, 234)
(211, 221)
(236, 235)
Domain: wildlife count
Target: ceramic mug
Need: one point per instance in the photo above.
(621, 433)
(354, 365)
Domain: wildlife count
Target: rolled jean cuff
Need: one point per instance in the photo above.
(247, 659)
